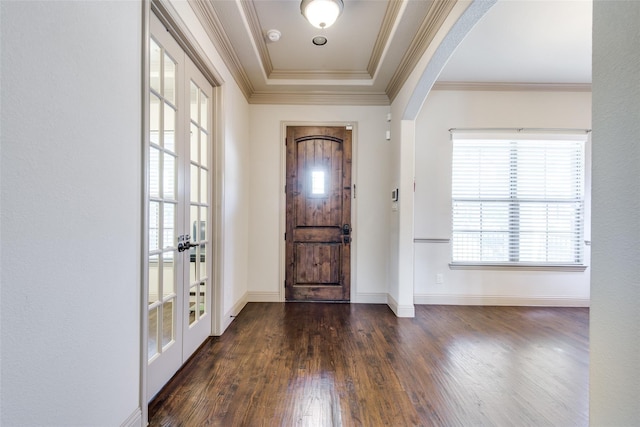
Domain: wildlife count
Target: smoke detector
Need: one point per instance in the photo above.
(273, 35)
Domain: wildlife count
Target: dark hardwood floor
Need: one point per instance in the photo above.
(305, 364)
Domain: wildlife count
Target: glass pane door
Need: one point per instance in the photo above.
(163, 203)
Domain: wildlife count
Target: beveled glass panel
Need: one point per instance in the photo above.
(169, 79)
(193, 267)
(168, 316)
(204, 186)
(194, 143)
(154, 279)
(154, 226)
(203, 262)
(155, 65)
(203, 223)
(169, 177)
(193, 96)
(152, 336)
(194, 300)
(169, 125)
(154, 119)
(193, 223)
(154, 172)
(192, 305)
(204, 149)
(194, 183)
(169, 225)
(203, 300)
(168, 278)
(204, 111)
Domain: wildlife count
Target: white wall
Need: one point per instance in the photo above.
(442, 111)
(70, 212)
(615, 287)
(370, 209)
(237, 173)
(233, 175)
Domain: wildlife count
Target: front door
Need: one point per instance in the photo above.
(318, 215)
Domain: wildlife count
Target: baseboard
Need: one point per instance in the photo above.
(541, 301)
(370, 298)
(235, 310)
(134, 420)
(400, 310)
(264, 297)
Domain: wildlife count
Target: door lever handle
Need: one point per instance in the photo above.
(184, 244)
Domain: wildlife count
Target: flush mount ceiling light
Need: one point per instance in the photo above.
(321, 13)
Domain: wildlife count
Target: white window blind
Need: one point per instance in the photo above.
(518, 201)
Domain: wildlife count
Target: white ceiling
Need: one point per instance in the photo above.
(375, 43)
(532, 41)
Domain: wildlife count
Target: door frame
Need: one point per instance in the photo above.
(169, 17)
(283, 201)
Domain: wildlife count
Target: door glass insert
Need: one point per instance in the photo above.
(169, 79)
(317, 182)
(167, 322)
(163, 163)
(169, 127)
(154, 279)
(200, 187)
(155, 65)
(154, 119)
(152, 340)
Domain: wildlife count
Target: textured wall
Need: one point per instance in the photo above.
(71, 188)
(615, 283)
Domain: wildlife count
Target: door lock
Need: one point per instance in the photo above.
(346, 231)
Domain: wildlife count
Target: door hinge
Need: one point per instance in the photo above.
(285, 236)
(285, 188)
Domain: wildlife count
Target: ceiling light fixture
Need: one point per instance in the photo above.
(321, 13)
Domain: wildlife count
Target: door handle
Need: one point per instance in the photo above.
(184, 244)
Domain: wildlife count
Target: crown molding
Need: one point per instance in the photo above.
(320, 98)
(213, 26)
(514, 87)
(436, 16)
(320, 75)
(390, 16)
(251, 14)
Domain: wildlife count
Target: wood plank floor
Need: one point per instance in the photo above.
(304, 364)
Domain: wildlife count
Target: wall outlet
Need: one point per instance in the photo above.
(439, 279)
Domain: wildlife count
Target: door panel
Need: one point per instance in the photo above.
(179, 198)
(318, 208)
(164, 338)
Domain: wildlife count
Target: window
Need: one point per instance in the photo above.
(518, 201)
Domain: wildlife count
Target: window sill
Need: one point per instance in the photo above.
(516, 267)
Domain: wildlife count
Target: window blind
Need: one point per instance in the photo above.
(518, 201)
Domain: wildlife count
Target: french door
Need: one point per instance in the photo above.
(179, 206)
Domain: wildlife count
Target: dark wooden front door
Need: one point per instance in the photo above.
(318, 249)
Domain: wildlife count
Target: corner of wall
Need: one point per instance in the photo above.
(230, 315)
(406, 310)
